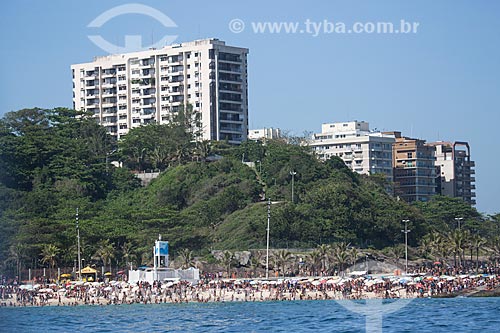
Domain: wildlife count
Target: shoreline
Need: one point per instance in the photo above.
(234, 290)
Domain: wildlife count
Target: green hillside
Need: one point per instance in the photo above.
(52, 162)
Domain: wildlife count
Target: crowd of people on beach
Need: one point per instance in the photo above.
(214, 289)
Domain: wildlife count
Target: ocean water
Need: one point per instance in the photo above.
(421, 315)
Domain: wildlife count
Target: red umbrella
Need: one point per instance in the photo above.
(437, 263)
(120, 272)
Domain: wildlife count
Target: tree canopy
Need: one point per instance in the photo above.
(54, 161)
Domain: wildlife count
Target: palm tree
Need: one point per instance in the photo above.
(353, 255)
(105, 252)
(255, 261)
(280, 259)
(397, 252)
(17, 252)
(186, 258)
(341, 255)
(457, 241)
(49, 255)
(127, 254)
(426, 245)
(495, 248)
(439, 246)
(477, 243)
(315, 261)
(227, 261)
(324, 252)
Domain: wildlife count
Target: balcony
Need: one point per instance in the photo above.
(108, 74)
(175, 60)
(229, 58)
(229, 79)
(147, 64)
(108, 104)
(108, 84)
(147, 75)
(230, 130)
(108, 93)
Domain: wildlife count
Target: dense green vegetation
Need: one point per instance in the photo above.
(54, 161)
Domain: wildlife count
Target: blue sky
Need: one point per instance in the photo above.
(441, 83)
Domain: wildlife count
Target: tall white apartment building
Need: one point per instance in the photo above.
(365, 152)
(455, 170)
(124, 91)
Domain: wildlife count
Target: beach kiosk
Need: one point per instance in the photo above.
(89, 274)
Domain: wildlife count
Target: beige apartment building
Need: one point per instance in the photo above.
(362, 150)
(455, 170)
(124, 91)
(414, 171)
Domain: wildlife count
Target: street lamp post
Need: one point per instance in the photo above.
(293, 173)
(406, 231)
(78, 239)
(459, 219)
(267, 247)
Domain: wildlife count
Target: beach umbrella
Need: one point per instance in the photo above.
(26, 287)
(46, 290)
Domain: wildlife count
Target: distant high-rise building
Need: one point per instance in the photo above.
(363, 151)
(264, 134)
(414, 171)
(124, 91)
(455, 170)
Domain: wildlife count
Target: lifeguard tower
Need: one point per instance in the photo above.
(160, 270)
(160, 256)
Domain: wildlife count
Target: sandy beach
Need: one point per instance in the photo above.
(241, 290)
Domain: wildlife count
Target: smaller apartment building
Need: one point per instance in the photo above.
(455, 170)
(264, 134)
(363, 151)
